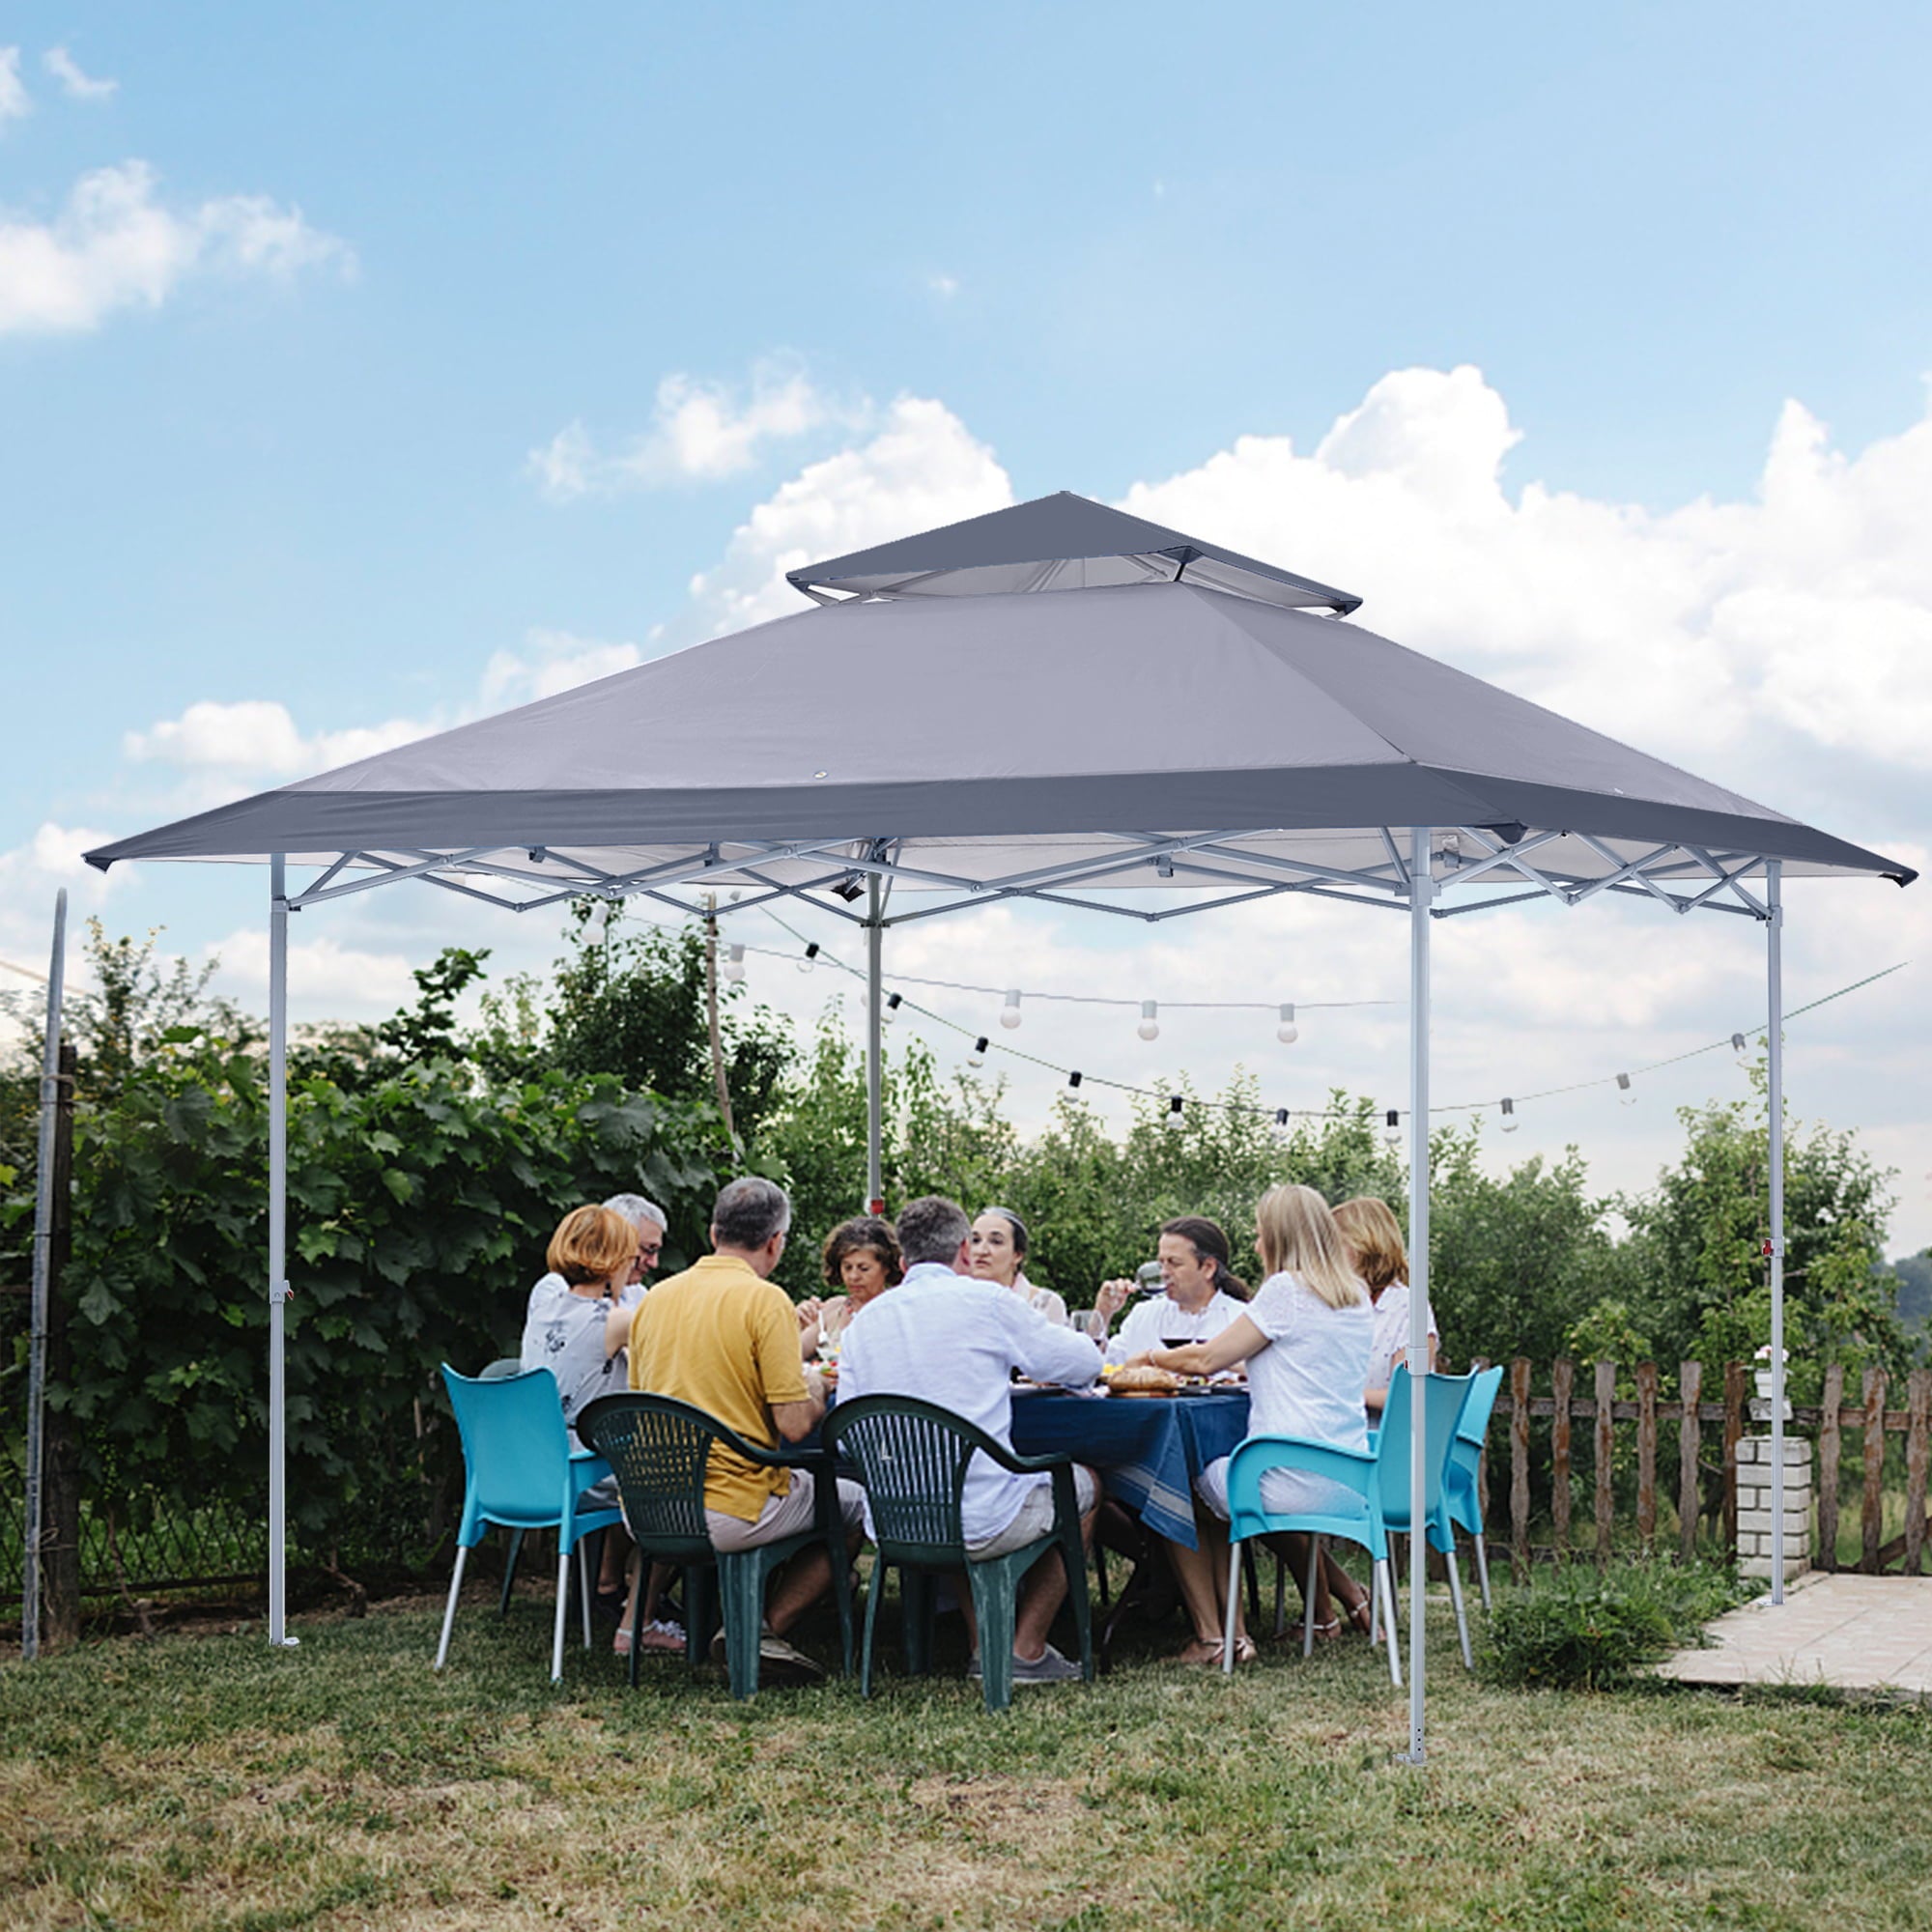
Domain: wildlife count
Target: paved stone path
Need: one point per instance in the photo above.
(1854, 1633)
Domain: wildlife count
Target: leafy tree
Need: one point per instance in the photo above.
(1519, 1259)
(1695, 1250)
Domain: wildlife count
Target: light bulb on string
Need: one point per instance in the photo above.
(734, 963)
(1150, 1026)
(1625, 1097)
(1175, 1103)
(1510, 1120)
(1741, 1049)
(892, 1011)
(1392, 1127)
(1009, 1013)
(1288, 1033)
(811, 953)
(1073, 1078)
(978, 1057)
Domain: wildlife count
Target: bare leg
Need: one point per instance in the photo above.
(616, 1556)
(1041, 1596)
(1203, 1575)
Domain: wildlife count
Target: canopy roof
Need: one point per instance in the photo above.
(1161, 734)
(1062, 542)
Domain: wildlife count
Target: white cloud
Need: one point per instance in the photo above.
(257, 737)
(700, 431)
(29, 875)
(922, 467)
(115, 245)
(552, 661)
(74, 84)
(15, 103)
(1722, 635)
(945, 287)
(324, 976)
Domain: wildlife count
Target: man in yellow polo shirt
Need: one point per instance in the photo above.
(723, 1338)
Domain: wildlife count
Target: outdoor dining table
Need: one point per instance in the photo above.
(1148, 1449)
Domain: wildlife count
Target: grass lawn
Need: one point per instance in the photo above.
(202, 1780)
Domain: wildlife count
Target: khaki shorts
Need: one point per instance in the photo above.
(1035, 1516)
(788, 1514)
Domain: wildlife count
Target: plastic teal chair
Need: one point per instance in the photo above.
(1466, 1453)
(912, 1458)
(1377, 1476)
(520, 1472)
(1448, 1398)
(659, 1449)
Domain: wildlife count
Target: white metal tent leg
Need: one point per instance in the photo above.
(278, 1234)
(1775, 1104)
(1421, 897)
(874, 1046)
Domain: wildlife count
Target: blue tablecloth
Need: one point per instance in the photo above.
(1148, 1450)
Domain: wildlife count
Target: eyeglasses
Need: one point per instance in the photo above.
(649, 1251)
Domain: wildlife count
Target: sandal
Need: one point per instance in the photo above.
(1324, 1632)
(659, 1635)
(1206, 1649)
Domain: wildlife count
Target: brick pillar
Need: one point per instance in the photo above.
(1754, 1522)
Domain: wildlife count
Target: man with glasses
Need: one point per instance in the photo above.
(650, 1222)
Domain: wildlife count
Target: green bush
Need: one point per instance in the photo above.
(1576, 1628)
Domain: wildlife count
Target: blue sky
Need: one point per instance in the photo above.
(275, 410)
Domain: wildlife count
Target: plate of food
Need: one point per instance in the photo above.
(1143, 1378)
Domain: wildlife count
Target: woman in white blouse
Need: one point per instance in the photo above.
(1375, 1238)
(997, 1249)
(1305, 1338)
(1203, 1293)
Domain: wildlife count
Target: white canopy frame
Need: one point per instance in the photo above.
(1418, 866)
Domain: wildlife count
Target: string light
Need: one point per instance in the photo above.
(978, 1057)
(811, 953)
(892, 1011)
(1174, 1105)
(734, 963)
(1392, 1127)
(1073, 1078)
(1288, 1033)
(1625, 1097)
(1009, 1013)
(1150, 1026)
(1510, 1120)
(1740, 1049)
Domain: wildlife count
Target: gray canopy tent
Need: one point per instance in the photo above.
(1162, 716)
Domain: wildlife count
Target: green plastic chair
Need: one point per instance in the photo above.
(912, 1458)
(658, 1450)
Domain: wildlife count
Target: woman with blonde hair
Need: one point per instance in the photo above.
(1370, 1228)
(577, 1326)
(1305, 1338)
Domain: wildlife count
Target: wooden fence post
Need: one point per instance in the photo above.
(1520, 1466)
(1562, 1379)
(1606, 1498)
(1646, 1455)
(1734, 1429)
(1917, 1452)
(1690, 1437)
(1829, 1441)
(1872, 1514)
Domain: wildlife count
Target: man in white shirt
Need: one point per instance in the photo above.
(944, 1337)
